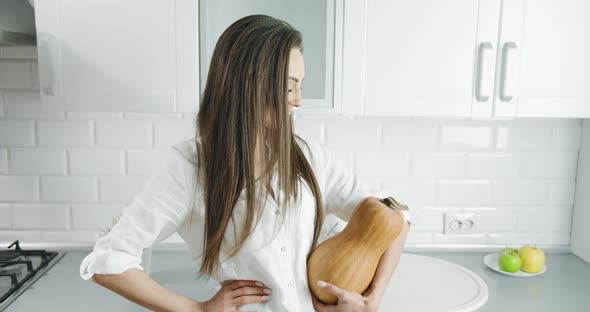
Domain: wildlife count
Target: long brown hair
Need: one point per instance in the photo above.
(243, 113)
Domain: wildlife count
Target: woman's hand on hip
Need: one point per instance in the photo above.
(234, 293)
(347, 301)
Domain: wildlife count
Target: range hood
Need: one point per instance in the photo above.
(17, 23)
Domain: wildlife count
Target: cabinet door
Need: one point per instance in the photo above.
(418, 57)
(118, 55)
(555, 59)
(319, 22)
(508, 59)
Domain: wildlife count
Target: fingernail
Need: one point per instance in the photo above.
(259, 284)
(267, 291)
(264, 297)
(322, 283)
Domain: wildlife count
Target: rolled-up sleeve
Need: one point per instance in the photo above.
(154, 214)
(342, 189)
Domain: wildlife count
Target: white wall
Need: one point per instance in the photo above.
(581, 214)
(64, 176)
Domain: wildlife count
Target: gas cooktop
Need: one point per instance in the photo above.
(20, 268)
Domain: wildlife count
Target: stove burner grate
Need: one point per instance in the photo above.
(13, 257)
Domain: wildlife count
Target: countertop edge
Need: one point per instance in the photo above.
(181, 246)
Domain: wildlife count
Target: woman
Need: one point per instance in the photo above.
(247, 195)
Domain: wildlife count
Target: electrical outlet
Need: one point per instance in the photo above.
(461, 222)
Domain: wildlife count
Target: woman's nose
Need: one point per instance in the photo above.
(296, 100)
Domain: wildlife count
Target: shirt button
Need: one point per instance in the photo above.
(283, 248)
(277, 212)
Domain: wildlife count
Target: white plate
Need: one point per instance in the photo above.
(491, 261)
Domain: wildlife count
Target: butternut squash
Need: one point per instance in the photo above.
(350, 258)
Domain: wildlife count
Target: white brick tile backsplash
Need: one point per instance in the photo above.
(445, 165)
(493, 165)
(382, 164)
(120, 189)
(16, 52)
(309, 127)
(68, 189)
(550, 219)
(429, 220)
(413, 191)
(468, 192)
(567, 136)
(74, 171)
(40, 217)
(17, 133)
(3, 161)
(5, 217)
(94, 217)
(153, 116)
(465, 137)
(37, 161)
(523, 192)
(524, 136)
(27, 104)
(561, 192)
(69, 236)
(403, 134)
(189, 116)
(19, 188)
(144, 162)
(65, 133)
(11, 236)
(550, 164)
(15, 74)
(123, 133)
(361, 134)
(96, 161)
(93, 115)
(170, 132)
(521, 239)
(494, 219)
(478, 238)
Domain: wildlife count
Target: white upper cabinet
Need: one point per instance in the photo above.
(465, 58)
(555, 59)
(496, 65)
(450, 58)
(409, 58)
(320, 23)
(417, 57)
(118, 56)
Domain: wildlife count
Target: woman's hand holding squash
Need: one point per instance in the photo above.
(347, 301)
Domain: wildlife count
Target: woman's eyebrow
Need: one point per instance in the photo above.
(294, 78)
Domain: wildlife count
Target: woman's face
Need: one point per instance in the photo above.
(296, 76)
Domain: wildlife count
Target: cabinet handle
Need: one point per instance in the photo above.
(47, 48)
(506, 91)
(484, 73)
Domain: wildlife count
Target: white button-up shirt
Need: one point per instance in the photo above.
(172, 201)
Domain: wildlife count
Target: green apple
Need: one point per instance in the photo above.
(508, 250)
(533, 259)
(509, 261)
